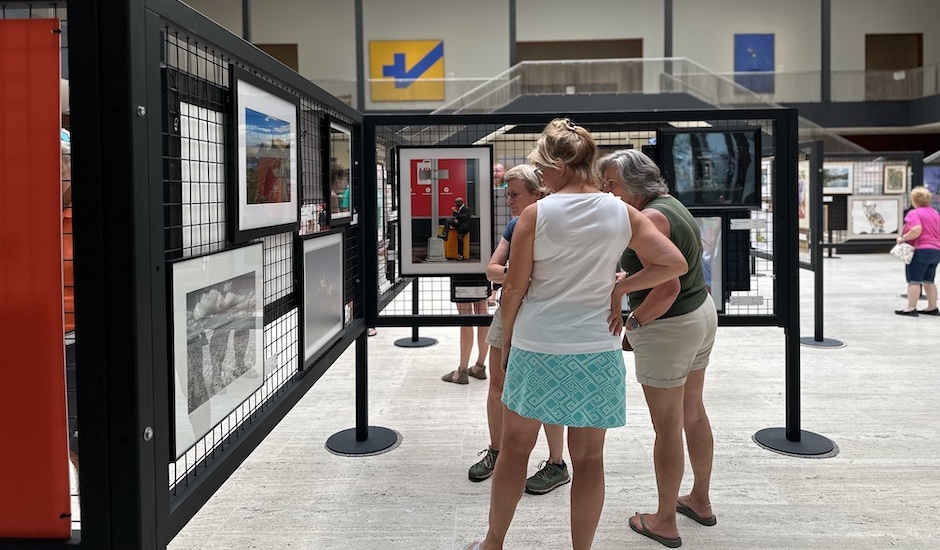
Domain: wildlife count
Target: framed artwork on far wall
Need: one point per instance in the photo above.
(265, 144)
(837, 178)
(875, 217)
(217, 334)
(932, 183)
(804, 194)
(895, 179)
(322, 319)
(445, 209)
(712, 257)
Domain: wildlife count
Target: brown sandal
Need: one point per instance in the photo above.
(461, 377)
(477, 371)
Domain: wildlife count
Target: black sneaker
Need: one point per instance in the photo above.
(547, 478)
(909, 313)
(484, 468)
(934, 311)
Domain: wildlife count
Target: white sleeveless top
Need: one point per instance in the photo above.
(578, 240)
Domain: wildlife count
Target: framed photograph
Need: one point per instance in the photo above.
(445, 209)
(895, 179)
(712, 167)
(754, 62)
(323, 292)
(837, 178)
(217, 334)
(264, 195)
(339, 173)
(712, 257)
(804, 193)
(932, 183)
(875, 217)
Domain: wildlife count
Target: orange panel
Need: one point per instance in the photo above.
(34, 471)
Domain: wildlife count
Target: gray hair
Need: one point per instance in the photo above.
(637, 171)
(529, 177)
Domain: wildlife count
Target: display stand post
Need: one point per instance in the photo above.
(415, 341)
(815, 233)
(363, 440)
(791, 440)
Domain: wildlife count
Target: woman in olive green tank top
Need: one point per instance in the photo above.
(671, 328)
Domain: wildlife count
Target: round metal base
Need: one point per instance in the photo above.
(812, 342)
(378, 441)
(810, 445)
(421, 342)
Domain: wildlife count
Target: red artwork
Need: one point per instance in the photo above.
(448, 188)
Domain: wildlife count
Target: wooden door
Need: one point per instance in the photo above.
(888, 60)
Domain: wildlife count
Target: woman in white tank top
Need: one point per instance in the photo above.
(564, 364)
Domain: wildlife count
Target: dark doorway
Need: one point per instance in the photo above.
(888, 60)
(582, 78)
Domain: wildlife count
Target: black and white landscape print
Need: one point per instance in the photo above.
(218, 333)
(323, 291)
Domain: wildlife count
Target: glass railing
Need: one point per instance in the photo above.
(651, 76)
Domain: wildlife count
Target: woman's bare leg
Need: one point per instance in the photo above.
(666, 409)
(494, 403)
(519, 434)
(586, 448)
(701, 443)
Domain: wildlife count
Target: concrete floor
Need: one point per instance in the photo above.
(876, 399)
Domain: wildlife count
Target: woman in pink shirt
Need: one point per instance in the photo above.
(921, 229)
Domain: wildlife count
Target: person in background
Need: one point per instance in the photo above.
(499, 182)
(499, 176)
(672, 329)
(339, 188)
(470, 306)
(523, 188)
(564, 363)
(459, 222)
(922, 230)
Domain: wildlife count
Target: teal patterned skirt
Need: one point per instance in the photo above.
(582, 390)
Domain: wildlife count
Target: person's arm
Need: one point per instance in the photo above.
(463, 215)
(911, 233)
(496, 269)
(662, 296)
(662, 261)
(516, 283)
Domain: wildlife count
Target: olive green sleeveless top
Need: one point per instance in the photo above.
(684, 233)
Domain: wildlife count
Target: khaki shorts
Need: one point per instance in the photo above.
(495, 336)
(667, 350)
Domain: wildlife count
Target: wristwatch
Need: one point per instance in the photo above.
(631, 323)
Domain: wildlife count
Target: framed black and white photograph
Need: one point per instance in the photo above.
(339, 172)
(445, 209)
(877, 217)
(712, 167)
(837, 178)
(264, 198)
(323, 293)
(895, 179)
(217, 329)
(712, 257)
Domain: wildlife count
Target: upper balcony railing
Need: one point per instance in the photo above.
(656, 76)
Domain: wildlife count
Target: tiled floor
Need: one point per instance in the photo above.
(876, 399)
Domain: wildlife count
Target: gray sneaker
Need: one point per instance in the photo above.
(484, 468)
(547, 478)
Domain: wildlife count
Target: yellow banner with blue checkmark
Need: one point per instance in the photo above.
(407, 70)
